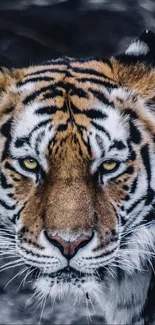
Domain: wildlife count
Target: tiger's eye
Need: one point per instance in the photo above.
(110, 165)
(30, 163)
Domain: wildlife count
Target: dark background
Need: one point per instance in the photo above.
(32, 31)
(36, 30)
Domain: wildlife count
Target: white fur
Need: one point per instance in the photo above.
(137, 48)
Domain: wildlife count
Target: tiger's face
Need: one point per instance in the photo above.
(77, 170)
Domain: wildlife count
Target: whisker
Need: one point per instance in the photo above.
(16, 275)
(30, 299)
(26, 276)
(53, 303)
(11, 266)
(8, 257)
(139, 251)
(42, 310)
(6, 230)
(98, 301)
(7, 244)
(9, 252)
(11, 263)
(125, 233)
(38, 302)
(2, 233)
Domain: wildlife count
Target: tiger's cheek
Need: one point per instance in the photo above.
(27, 198)
(107, 202)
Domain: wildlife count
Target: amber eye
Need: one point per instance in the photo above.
(110, 165)
(29, 163)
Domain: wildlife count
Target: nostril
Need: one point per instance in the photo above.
(68, 248)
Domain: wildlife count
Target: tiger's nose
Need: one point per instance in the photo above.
(68, 248)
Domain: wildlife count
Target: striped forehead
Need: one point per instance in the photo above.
(103, 127)
(54, 95)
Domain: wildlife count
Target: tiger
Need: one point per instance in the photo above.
(77, 178)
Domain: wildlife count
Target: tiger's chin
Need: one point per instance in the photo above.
(68, 284)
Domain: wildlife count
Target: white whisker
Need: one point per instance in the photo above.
(11, 266)
(16, 275)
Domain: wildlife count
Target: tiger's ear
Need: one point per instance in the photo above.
(140, 50)
(9, 78)
(135, 69)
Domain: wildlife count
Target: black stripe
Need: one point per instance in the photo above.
(6, 132)
(43, 123)
(150, 196)
(6, 128)
(150, 215)
(134, 185)
(33, 96)
(146, 161)
(73, 90)
(91, 113)
(101, 128)
(20, 142)
(94, 114)
(100, 96)
(91, 72)
(102, 255)
(62, 127)
(133, 114)
(47, 110)
(133, 206)
(40, 72)
(8, 110)
(52, 109)
(35, 79)
(53, 93)
(134, 133)
(86, 144)
(129, 170)
(132, 155)
(10, 167)
(118, 145)
(69, 87)
(6, 206)
(4, 182)
(96, 81)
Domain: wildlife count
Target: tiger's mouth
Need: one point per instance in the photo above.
(67, 284)
(68, 275)
(67, 272)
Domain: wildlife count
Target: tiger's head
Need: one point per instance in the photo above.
(77, 170)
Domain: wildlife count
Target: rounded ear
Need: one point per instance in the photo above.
(135, 68)
(9, 77)
(8, 81)
(140, 50)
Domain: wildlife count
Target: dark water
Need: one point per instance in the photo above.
(32, 31)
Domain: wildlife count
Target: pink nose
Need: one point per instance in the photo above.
(68, 249)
